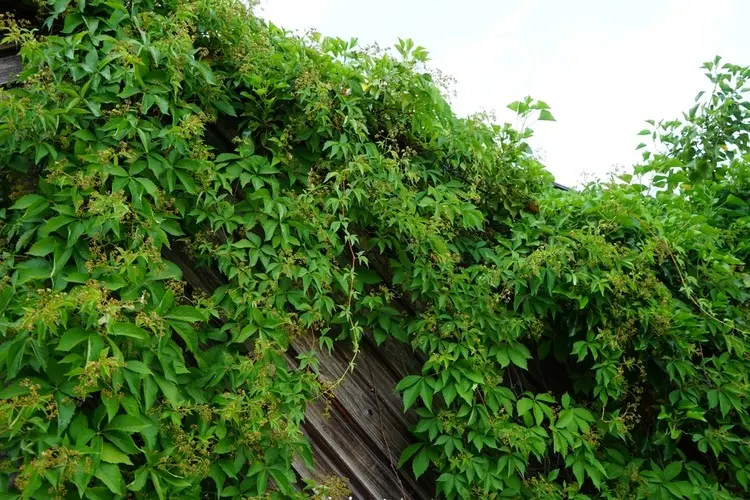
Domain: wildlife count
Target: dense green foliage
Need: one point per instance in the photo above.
(587, 344)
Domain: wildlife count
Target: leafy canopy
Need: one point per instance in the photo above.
(587, 344)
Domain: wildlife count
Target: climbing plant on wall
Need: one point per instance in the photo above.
(580, 344)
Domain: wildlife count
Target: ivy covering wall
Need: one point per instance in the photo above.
(580, 344)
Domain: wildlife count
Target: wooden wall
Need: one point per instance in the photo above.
(10, 63)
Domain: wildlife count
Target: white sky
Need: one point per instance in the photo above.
(604, 66)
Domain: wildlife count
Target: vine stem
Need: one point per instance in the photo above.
(355, 340)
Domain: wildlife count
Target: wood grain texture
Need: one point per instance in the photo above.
(364, 429)
(10, 66)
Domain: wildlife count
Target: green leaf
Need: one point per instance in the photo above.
(696, 415)
(565, 419)
(110, 475)
(518, 107)
(44, 247)
(149, 186)
(72, 21)
(129, 330)
(735, 201)
(139, 481)
(54, 224)
(150, 391)
(187, 334)
(72, 338)
(420, 463)
(91, 61)
(27, 201)
(410, 396)
(281, 478)
(65, 410)
(672, 470)
(6, 294)
(188, 184)
(595, 475)
(524, 405)
(408, 452)
(426, 395)
(138, 367)
(162, 104)
(112, 455)
(578, 472)
(112, 404)
(186, 313)
(518, 357)
(157, 485)
(129, 423)
(171, 227)
(545, 115)
(538, 414)
(269, 228)
(225, 108)
(262, 480)
(169, 389)
(408, 381)
(206, 72)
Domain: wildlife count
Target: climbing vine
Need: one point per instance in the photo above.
(189, 194)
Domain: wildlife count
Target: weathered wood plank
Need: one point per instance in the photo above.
(10, 66)
(365, 429)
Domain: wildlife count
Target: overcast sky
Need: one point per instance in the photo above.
(604, 66)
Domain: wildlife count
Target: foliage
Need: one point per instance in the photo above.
(585, 344)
